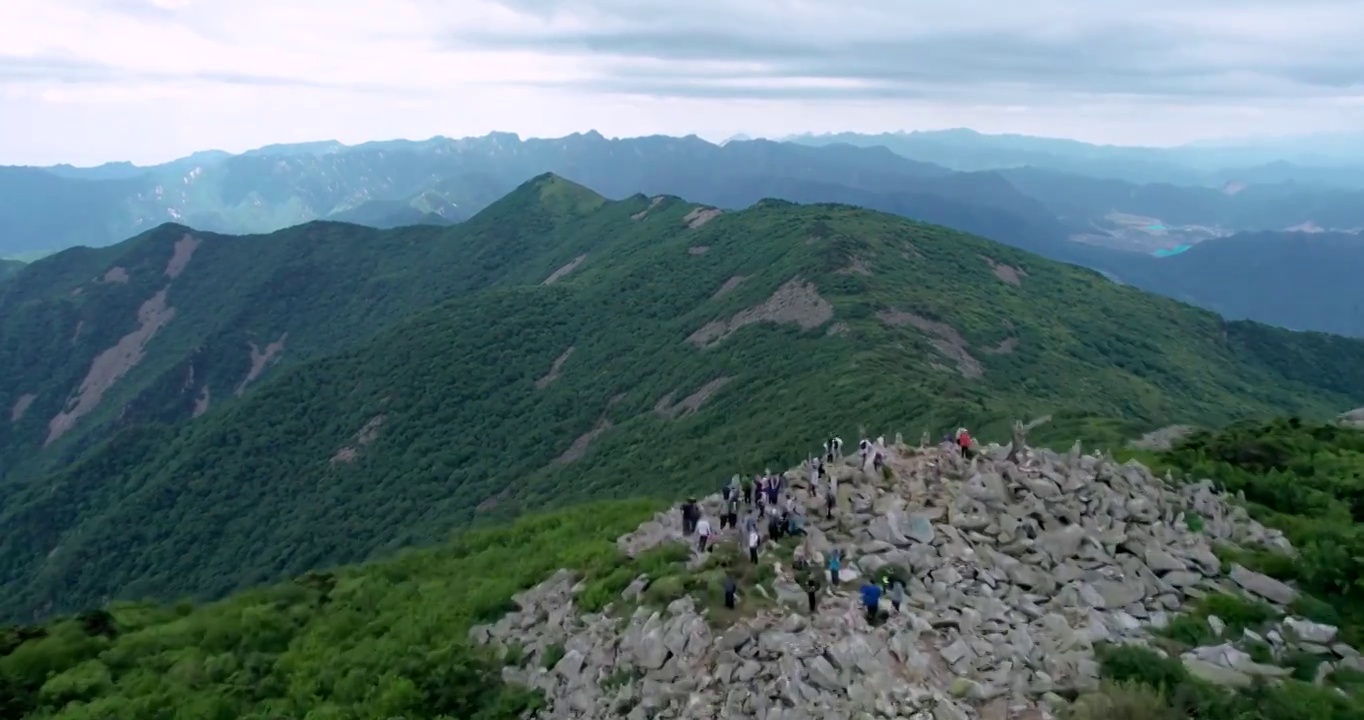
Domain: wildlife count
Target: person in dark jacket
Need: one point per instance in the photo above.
(812, 594)
(690, 515)
(730, 590)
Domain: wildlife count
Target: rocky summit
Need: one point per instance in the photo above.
(1016, 566)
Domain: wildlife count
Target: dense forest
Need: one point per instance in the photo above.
(673, 354)
(389, 638)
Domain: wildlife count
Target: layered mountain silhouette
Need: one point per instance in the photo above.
(976, 183)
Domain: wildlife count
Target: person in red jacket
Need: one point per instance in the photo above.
(964, 441)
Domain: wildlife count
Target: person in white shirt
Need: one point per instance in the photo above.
(702, 533)
(753, 545)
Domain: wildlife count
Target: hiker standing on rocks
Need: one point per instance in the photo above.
(862, 447)
(753, 545)
(811, 593)
(878, 460)
(871, 598)
(964, 442)
(689, 516)
(897, 594)
(746, 484)
(830, 500)
(774, 527)
(702, 533)
(733, 511)
(730, 589)
(835, 564)
(814, 478)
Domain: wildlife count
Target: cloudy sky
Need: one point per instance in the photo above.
(85, 81)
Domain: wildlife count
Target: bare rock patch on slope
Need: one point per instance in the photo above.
(112, 364)
(580, 445)
(1163, 438)
(566, 269)
(1005, 347)
(856, 266)
(698, 250)
(796, 301)
(700, 216)
(1007, 273)
(728, 287)
(665, 408)
(117, 275)
(653, 203)
(366, 435)
(21, 406)
(202, 401)
(180, 257)
(554, 369)
(260, 358)
(942, 336)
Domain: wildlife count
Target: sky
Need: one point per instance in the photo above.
(89, 81)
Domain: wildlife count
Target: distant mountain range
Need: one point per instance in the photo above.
(1026, 192)
(1333, 160)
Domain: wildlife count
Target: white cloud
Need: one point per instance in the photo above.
(92, 80)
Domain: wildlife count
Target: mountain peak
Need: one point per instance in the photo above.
(546, 192)
(945, 531)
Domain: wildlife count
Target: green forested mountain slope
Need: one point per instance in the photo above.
(1290, 279)
(114, 327)
(668, 352)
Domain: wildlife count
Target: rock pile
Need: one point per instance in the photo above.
(1016, 565)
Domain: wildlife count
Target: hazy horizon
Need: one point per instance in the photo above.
(91, 81)
(1213, 142)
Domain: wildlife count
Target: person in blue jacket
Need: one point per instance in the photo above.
(871, 599)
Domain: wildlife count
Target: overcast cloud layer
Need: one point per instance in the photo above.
(85, 81)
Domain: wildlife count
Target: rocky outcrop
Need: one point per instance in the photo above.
(795, 302)
(1016, 563)
(564, 270)
(112, 364)
(260, 359)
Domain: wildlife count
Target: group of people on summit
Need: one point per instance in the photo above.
(767, 500)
